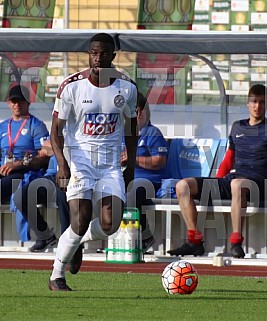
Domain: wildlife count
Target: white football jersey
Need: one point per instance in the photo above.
(95, 116)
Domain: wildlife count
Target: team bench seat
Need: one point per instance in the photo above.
(202, 157)
(9, 239)
(4, 227)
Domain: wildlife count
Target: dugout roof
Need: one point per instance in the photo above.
(154, 41)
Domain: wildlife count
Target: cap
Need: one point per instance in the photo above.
(19, 92)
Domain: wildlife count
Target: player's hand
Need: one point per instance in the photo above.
(9, 167)
(63, 177)
(128, 175)
(5, 170)
(124, 158)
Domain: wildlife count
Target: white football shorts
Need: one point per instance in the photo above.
(90, 181)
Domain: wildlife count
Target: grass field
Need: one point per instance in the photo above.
(99, 296)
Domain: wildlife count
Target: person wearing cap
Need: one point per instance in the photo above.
(150, 169)
(21, 138)
(94, 108)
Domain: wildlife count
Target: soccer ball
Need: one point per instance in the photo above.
(179, 277)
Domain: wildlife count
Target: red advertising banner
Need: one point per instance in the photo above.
(162, 77)
(27, 67)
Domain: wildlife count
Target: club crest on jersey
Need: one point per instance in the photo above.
(119, 101)
(100, 123)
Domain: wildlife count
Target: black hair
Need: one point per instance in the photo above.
(105, 38)
(257, 90)
(143, 104)
(142, 101)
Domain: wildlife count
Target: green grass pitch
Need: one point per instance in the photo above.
(128, 297)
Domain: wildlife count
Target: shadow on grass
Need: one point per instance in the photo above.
(203, 295)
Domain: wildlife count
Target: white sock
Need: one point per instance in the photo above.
(67, 246)
(94, 232)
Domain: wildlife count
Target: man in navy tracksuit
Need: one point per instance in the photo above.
(240, 176)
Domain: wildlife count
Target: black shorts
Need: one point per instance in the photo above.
(220, 188)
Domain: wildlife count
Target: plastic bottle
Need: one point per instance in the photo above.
(138, 245)
(113, 245)
(131, 237)
(121, 242)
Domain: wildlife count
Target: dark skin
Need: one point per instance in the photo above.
(101, 56)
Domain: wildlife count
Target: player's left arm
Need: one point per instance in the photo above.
(131, 140)
(131, 136)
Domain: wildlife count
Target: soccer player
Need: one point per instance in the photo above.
(92, 111)
(240, 176)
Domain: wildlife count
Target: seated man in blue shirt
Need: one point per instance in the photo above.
(151, 159)
(21, 137)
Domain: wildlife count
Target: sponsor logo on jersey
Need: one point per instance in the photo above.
(100, 123)
(43, 139)
(192, 156)
(162, 149)
(87, 101)
(141, 143)
(119, 101)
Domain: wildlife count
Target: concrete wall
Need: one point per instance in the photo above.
(195, 121)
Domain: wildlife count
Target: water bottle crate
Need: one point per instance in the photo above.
(124, 262)
(131, 213)
(125, 245)
(124, 250)
(137, 255)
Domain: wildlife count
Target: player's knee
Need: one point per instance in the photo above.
(79, 228)
(239, 187)
(109, 227)
(182, 189)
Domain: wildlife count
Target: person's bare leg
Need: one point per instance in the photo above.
(186, 189)
(111, 214)
(239, 203)
(107, 221)
(69, 241)
(238, 209)
(109, 210)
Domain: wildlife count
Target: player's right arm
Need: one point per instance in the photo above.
(57, 142)
(226, 164)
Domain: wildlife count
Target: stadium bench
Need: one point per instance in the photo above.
(187, 157)
(202, 157)
(9, 239)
